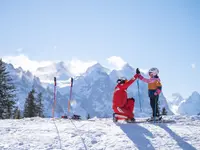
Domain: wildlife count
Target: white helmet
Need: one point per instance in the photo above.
(154, 71)
(122, 80)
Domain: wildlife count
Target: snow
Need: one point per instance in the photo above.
(99, 134)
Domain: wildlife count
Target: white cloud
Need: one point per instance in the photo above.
(116, 62)
(24, 62)
(76, 67)
(193, 66)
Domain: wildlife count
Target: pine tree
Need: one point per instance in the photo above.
(30, 106)
(7, 93)
(164, 111)
(17, 113)
(40, 107)
(88, 116)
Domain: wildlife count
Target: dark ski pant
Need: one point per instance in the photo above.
(154, 106)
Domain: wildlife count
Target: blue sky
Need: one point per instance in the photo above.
(164, 34)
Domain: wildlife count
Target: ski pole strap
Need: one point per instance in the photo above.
(72, 82)
(54, 81)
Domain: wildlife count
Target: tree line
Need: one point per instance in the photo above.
(33, 104)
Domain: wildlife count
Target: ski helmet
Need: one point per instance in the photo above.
(154, 71)
(122, 80)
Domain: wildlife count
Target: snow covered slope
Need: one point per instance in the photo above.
(191, 105)
(99, 134)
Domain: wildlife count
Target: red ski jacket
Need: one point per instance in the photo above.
(120, 94)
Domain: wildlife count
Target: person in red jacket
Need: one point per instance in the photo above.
(122, 105)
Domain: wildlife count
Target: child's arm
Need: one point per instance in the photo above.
(145, 79)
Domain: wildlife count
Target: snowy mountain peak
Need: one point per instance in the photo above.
(60, 66)
(191, 105)
(96, 68)
(126, 71)
(174, 101)
(28, 73)
(195, 94)
(58, 70)
(176, 98)
(127, 67)
(19, 69)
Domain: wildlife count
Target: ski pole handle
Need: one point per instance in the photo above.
(72, 80)
(54, 81)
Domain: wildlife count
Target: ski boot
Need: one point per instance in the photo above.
(117, 117)
(114, 118)
(130, 120)
(157, 118)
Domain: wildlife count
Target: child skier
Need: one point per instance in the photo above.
(122, 105)
(155, 87)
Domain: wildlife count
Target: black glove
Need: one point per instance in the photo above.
(137, 71)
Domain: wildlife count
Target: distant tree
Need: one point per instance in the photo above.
(164, 111)
(7, 93)
(39, 106)
(30, 107)
(88, 116)
(17, 113)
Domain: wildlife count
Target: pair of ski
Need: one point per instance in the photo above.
(117, 117)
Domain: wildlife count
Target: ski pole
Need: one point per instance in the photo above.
(155, 110)
(70, 94)
(139, 95)
(54, 103)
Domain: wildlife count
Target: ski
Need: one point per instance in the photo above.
(119, 118)
(161, 121)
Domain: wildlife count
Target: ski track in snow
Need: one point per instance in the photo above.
(99, 134)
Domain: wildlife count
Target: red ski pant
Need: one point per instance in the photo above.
(127, 110)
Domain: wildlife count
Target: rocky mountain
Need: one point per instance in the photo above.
(174, 101)
(24, 82)
(92, 91)
(190, 106)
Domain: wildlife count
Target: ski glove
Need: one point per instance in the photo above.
(155, 93)
(158, 91)
(137, 71)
